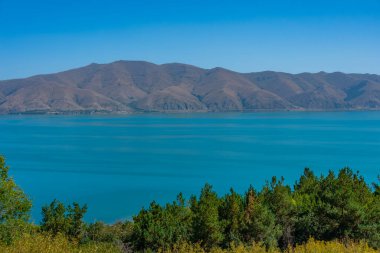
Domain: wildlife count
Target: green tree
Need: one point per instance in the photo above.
(259, 222)
(181, 220)
(278, 197)
(306, 195)
(75, 215)
(207, 228)
(336, 207)
(231, 215)
(370, 227)
(343, 204)
(57, 218)
(162, 227)
(54, 218)
(14, 206)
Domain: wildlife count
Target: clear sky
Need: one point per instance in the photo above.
(44, 36)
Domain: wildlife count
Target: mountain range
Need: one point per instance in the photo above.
(137, 86)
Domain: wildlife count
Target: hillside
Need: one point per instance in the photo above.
(134, 86)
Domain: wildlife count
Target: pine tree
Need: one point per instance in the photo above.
(206, 226)
(231, 215)
(57, 218)
(259, 222)
(278, 197)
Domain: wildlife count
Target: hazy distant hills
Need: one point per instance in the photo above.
(133, 86)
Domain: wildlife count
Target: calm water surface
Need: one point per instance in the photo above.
(118, 164)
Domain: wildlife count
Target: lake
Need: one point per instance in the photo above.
(118, 164)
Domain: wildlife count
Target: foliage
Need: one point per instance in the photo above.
(159, 227)
(14, 229)
(207, 228)
(333, 207)
(279, 199)
(336, 207)
(115, 233)
(14, 206)
(231, 213)
(57, 218)
(259, 222)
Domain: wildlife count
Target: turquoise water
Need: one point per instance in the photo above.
(118, 164)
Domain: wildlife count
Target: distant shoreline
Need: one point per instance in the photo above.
(183, 112)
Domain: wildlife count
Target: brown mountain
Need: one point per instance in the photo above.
(131, 86)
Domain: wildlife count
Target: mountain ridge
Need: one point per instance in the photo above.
(139, 86)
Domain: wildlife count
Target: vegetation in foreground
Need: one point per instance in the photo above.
(333, 213)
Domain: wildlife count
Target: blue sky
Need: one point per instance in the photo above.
(289, 35)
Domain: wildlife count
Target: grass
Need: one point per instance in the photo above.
(312, 246)
(40, 243)
(59, 244)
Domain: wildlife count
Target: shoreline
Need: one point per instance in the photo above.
(110, 113)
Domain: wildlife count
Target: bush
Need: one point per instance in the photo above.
(313, 246)
(116, 233)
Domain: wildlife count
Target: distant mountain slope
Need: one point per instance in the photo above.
(131, 86)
